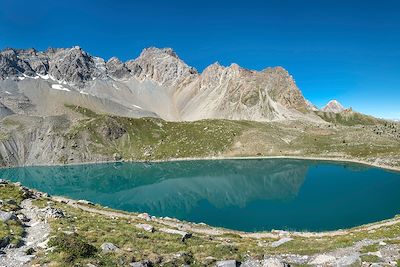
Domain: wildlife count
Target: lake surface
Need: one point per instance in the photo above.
(249, 195)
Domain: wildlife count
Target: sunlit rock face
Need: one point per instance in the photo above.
(157, 83)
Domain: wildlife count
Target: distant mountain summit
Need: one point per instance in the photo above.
(157, 83)
(333, 106)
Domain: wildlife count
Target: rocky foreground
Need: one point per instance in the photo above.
(38, 230)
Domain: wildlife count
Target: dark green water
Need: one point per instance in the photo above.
(248, 195)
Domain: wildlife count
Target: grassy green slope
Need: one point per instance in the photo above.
(154, 139)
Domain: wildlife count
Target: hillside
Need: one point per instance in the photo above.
(91, 137)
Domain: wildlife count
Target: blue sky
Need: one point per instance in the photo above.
(335, 49)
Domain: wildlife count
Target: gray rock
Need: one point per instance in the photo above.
(73, 66)
(7, 216)
(281, 242)
(251, 263)
(144, 263)
(50, 212)
(146, 227)
(144, 216)
(323, 260)
(227, 263)
(108, 247)
(184, 234)
(349, 260)
(85, 202)
(272, 262)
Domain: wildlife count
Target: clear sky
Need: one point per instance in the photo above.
(347, 50)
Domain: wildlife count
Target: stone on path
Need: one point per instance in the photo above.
(281, 242)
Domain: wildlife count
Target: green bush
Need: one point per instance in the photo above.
(73, 245)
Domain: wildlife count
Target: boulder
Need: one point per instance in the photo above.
(227, 263)
(184, 234)
(7, 216)
(144, 216)
(108, 247)
(85, 202)
(146, 227)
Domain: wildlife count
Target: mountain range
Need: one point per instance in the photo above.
(155, 84)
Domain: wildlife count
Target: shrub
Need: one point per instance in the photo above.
(73, 245)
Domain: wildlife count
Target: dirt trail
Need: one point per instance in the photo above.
(36, 233)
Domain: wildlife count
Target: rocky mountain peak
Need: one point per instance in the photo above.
(155, 51)
(333, 106)
(161, 65)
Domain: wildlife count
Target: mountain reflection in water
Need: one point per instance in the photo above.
(239, 194)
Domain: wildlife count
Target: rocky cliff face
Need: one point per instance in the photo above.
(157, 83)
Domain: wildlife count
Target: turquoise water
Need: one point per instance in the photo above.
(249, 195)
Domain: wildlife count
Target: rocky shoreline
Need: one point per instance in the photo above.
(36, 223)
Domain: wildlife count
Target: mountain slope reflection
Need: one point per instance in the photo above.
(238, 194)
(159, 188)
